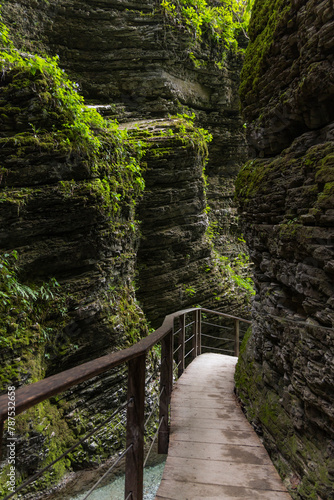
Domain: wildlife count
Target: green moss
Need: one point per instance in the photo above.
(267, 15)
(325, 170)
(45, 424)
(69, 130)
(289, 230)
(18, 197)
(326, 197)
(290, 450)
(245, 340)
(61, 123)
(30, 316)
(163, 137)
(128, 314)
(258, 176)
(52, 434)
(251, 178)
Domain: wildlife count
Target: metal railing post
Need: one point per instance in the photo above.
(236, 336)
(195, 335)
(166, 384)
(182, 339)
(134, 469)
(199, 332)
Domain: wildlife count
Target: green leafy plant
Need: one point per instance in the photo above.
(13, 289)
(22, 305)
(5, 41)
(237, 271)
(219, 23)
(190, 291)
(189, 133)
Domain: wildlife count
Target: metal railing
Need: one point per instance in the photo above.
(178, 348)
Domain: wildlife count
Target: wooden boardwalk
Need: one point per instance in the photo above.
(214, 452)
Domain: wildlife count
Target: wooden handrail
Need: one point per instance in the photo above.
(30, 395)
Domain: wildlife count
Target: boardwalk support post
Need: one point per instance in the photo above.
(195, 335)
(199, 332)
(166, 384)
(182, 340)
(236, 337)
(134, 468)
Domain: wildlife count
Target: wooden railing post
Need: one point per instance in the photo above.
(166, 384)
(182, 339)
(195, 335)
(236, 337)
(199, 332)
(135, 428)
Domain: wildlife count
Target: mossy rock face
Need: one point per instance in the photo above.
(70, 187)
(281, 420)
(67, 209)
(267, 17)
(132, 62)
(286, 85)
(285, 192)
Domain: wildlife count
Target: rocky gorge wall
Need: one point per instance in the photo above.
(285, 374)
(133, 63)
(67, 212)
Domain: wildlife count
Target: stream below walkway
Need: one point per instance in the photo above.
(115, 489)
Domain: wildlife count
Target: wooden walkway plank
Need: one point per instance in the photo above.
(175, 490)
(212, 436)
(214, 452)
(223, 452)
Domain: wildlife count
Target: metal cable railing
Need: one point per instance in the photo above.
(231, 328)
(75, 445)
(154, 408)
(217, 349)
(215, 338)
(177, 349)
(188, 353)
(108, 472)
(189, 338)
(153, 441)
(152, 375)
(216, 325)
(176, 332)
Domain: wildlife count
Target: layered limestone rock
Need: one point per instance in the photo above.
(67, 210)
(175, 261)
(133, 63)
(285, 374)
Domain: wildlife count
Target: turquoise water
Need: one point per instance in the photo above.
(115, 490)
